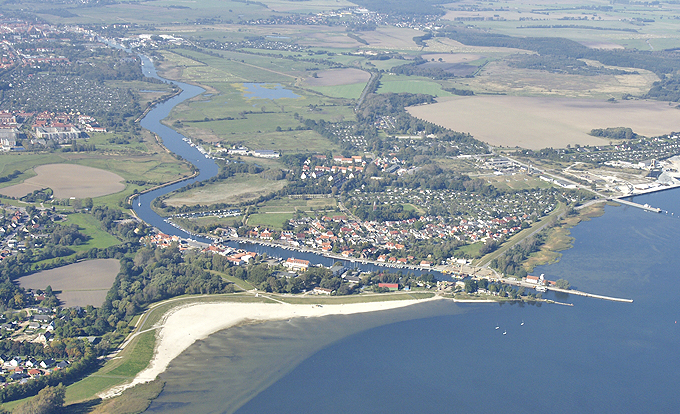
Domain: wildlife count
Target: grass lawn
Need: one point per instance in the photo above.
(90, 226)
(269, 220)
(134, 358)
(242, 284)
(471, 250)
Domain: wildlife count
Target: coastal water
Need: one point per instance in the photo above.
(597, 356)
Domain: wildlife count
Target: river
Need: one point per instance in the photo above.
(175, 142)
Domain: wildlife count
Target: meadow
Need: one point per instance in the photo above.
(229, 114)
(237, 189)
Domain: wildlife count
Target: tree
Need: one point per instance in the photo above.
(88, 203)
(470, 286)
(563, 284)
(49, 400)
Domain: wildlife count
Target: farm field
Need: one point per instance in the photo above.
(391, 38)
(537, 123)
(341, 83)
(234, 190)
(498, 77)
(69, 180)
(79, 284)
(410, 84)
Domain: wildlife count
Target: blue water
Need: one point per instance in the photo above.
(595, 357)
(267, 91)
(172, 141)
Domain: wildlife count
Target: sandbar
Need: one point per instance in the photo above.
(184, 325)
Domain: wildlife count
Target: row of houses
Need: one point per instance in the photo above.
(395, 235)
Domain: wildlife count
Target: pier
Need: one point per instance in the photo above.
(645, 207)
(568, 291)
(589, 295)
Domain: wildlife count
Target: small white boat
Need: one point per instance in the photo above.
(522, 324)
(498, 327)
(505, 332)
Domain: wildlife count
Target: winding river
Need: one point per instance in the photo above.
(175, 142)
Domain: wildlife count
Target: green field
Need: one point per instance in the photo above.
(341, 91)
(270, 220)
(90, 226)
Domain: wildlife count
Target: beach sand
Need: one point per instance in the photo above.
(184, 325)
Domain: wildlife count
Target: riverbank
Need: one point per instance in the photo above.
(184, 325)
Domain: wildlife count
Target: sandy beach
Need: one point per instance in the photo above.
(184, 325)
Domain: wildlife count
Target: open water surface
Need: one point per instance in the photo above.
(595, 357)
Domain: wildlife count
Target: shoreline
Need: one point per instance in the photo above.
(182, 326)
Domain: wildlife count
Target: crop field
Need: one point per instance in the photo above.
(336, 77)
(537, 123)
(340, 83)
(329, 39)
(391, 38)
(444, 45)
(80, 284)
(341, 91)
(410, 84)
(69, 180)
(236, 189)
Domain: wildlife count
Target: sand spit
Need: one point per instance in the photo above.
(184, 325)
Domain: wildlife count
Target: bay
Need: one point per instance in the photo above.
(597, 356)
